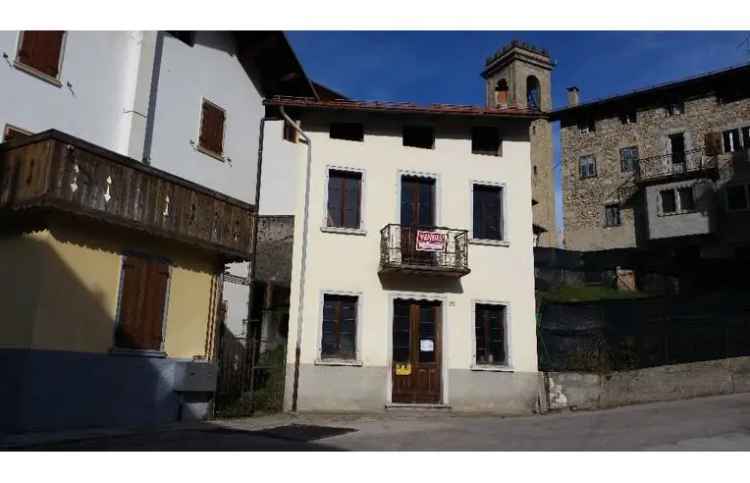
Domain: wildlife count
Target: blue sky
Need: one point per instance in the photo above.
(426, 67)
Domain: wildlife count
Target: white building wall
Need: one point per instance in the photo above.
(349, 263)
(283, 165)
(98, 77)
(209, 69)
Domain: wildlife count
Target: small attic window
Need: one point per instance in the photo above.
(485, 140)
(419, 137)
(349, 131)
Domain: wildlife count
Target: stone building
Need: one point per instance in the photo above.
(662, 167)
(520, 75)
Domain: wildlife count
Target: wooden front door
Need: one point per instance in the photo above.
(416, 352)
(417, 212)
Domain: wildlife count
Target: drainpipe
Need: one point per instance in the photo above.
(254, 256)
(303, 267)
(151, 113)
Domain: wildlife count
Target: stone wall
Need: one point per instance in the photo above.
(570, 390)
(584, 199)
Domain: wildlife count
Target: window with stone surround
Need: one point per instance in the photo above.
(339, 330)
(731, 138)
(587, 167)
(628, 159)
(675, 108)
(612, 215)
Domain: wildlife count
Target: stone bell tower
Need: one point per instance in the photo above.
(519, 75)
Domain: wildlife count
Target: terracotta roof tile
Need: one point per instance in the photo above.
(403, 107)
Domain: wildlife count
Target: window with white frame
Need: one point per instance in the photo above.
(587, 166)
(339, 331)
(731, 139)
(677, 200)
(490, 335)
(612, 215)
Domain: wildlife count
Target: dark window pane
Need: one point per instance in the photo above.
(587, 167)
(339, 327)
(731, 140)
(736, 199)
(485, 140)
(687, 202)
(490, 334)
(344, 196)
(746, 137)
(612, 215)
(488, 212)
(668, 202)
(349, 131)
(419, 136)
(628, 159)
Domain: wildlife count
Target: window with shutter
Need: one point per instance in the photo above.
(490, 336)
(41, 50)
(344, 199)
(488, 213)
(339, 327)
(211, 137)
(143, 295)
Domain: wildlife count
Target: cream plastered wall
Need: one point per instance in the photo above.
(20, 264)
(67, 297)
(349, 263)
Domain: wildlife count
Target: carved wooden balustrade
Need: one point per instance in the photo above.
(55, 171)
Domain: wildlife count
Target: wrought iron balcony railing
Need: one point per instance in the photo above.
(424, 249)
(674, 165)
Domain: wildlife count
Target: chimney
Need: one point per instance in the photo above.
(574, 96)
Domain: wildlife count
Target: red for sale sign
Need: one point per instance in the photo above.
(430, 241)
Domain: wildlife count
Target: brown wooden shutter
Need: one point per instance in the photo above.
(212, 128)
(129, 333)
(155, 297)
(41, 50)
(142, 304)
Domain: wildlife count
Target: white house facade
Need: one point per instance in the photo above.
(412, 272)
(189, 103)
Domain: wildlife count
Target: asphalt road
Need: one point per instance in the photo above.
(716, 423)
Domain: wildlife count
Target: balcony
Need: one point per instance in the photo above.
(424, 250)
(55, 172)
(693, 163)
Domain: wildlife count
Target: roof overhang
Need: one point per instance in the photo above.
(406, 108)
(658, 94)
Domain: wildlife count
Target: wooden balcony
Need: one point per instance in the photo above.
(53, 171)
(429, 250)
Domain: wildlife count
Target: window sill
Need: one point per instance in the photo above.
(338, 362)
(487, 153)
(612, 226)
(37, 73)
(117, 351)
(209, 153)
(343, 231)
(487, 242)
(488, 368)
(675, 213)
